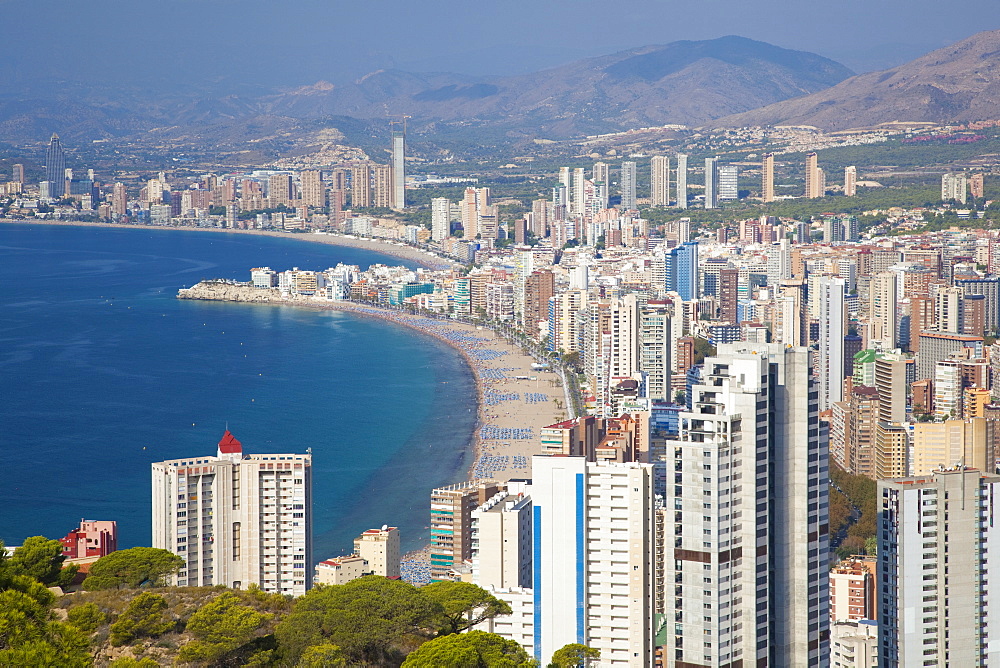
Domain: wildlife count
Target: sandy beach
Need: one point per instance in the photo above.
(394, 249)
(514, 401)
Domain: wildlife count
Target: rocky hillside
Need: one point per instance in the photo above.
(958, 83)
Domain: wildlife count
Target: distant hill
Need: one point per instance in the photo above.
(958, 83)
(684, 82)
(687, 82)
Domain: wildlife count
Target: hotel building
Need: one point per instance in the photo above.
(237, 519)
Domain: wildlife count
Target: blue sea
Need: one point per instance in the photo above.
(103, 371)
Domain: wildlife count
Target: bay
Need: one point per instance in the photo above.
(103, 371)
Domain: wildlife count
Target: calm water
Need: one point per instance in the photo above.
(103, 371)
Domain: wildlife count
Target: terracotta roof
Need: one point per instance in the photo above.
(229, 445)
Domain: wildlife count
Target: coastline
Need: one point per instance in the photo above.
(402, 251)
(502, 372)
(513, 401)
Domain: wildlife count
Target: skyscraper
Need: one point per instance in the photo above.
(883, 313)
(279, 189)
(451, 523)
(55, 167)
(628, 185)
(602, 181)
(398, 168)
(711, 183)
(659, 168)
(17, 173)
(593, 564)
(682, 270)
(313, 189)
(767, 174)
(682, 181)
(440, 218)
(936, 544)
(850, 181)
(832, 328)
(729, 182)
(236, 519)
(361, 185)
(746, 535)
(814, 176)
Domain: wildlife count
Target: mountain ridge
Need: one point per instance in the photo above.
(957, 83)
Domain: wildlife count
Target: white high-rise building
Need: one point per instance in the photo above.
(746, 526)
(954, 187)
(578, 194)
(938, 545)
(628, 191)
(682, 181)
(237, 519)
(440, 218)
(883, 311)
(398, 169)
(832, 328)
(729, 182)
(502, 540)
(659, 168)
(593, 583)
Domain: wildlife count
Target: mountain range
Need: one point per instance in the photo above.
(729, 81)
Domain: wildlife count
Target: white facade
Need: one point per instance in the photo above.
(854, 644)
(746, 560)
(440, 218)
(682, 181)
(593, 528)
(237, 519)
(660, 180)
(938, 547)
(832, 328)
(501, 542)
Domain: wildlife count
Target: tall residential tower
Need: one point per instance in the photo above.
(237, 519)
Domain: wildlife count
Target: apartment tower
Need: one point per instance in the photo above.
(659, 168)
(937, 546)
(682, 181)
(746, 531)
(236, 519)
(767, 175)
(593, 565)
(628, 189)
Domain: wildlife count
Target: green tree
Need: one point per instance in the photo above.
(42, 559)
(475, 649)
(145, 617)
(135, 567)
(322, 656)
(573, 655)
(369, 619)
(87, 617)
(130, 662)
(28, 638)
(463, 605)
(219, 627)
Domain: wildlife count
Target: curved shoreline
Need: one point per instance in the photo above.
(487, 377)
(402, 251)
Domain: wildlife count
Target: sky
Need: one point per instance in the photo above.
(288, 43)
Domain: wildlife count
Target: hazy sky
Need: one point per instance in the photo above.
(293, 42)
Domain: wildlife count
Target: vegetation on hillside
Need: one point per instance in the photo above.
(127, 620)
